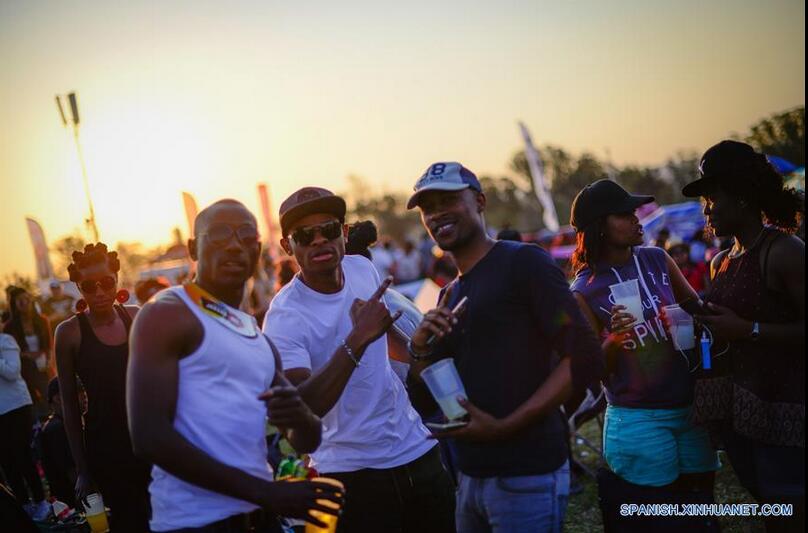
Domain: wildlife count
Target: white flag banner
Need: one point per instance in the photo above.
(44, 270)
(266, 213)
(549, 216)
(189, 202)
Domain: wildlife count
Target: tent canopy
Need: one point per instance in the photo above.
(683, 220)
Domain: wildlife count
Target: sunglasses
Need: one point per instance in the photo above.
(107, 283)
(220, 234)
(329, 230)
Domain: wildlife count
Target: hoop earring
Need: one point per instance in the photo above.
(122, 296)
(81, 306)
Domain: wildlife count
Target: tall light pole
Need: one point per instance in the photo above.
(74, 115)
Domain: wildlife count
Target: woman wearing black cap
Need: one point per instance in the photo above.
(754, 398)
(648, 439)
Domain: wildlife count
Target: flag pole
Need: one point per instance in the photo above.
(74, 110)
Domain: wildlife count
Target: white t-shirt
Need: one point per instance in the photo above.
(13, 390)
(373, 424)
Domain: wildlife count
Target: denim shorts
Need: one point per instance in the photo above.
(653, 447)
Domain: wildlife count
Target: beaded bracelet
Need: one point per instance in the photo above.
(416, 356)
(350, 353)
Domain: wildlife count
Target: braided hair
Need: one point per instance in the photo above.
(361, 236)
(751, 178)
(92, 255)
(781, 206)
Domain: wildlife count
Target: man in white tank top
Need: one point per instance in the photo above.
(331, 328)
(200, 384)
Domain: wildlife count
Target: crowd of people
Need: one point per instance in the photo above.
(162, 407)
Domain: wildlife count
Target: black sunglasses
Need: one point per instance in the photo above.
(107, 283)
(220, 234)
(329, 230)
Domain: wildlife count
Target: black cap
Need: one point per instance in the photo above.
(726, 164)
(604, 197)
(308, 201)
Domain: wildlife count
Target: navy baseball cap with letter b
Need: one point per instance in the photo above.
(446, 176)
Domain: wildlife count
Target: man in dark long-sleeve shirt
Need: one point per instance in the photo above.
(519, 320)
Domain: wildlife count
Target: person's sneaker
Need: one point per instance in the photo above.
(38, 511)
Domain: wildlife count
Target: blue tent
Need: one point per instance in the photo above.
(783, 166)
(683, 220)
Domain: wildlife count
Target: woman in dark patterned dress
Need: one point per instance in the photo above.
(753, 399)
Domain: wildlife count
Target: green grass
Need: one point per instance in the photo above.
(583, 513)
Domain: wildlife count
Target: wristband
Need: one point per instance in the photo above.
(755, 333)
(416, 356)
(350, 353)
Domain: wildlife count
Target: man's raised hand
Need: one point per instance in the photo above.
(437, 323)
(371, 318)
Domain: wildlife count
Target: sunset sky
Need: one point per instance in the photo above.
(214, 97)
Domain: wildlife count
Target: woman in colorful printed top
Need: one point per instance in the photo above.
(648, 439)
(753, 400)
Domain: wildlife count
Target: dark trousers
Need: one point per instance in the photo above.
(37, 382)
(772, 474)
(255, 522)
(15, 454)
(125, 489)
(417, 497)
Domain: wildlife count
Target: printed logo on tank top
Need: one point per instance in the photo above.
(232, 319)
(648, 330)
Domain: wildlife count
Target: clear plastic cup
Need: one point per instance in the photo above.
(328, 519)
(682, 329)
(627, 294)
(96, 514)
(444, 383)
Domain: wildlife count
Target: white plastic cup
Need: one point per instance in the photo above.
(682, 330)
(444, 383)
(96, 514)
(627, 294)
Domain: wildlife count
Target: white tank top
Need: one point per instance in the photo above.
(33, 343)
(218, 411)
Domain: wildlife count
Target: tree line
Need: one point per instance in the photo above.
(512, 201)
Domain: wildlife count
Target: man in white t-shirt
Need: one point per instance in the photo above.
(330, 325)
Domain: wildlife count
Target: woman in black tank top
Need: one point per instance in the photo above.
(753, 399)
(93, 347)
